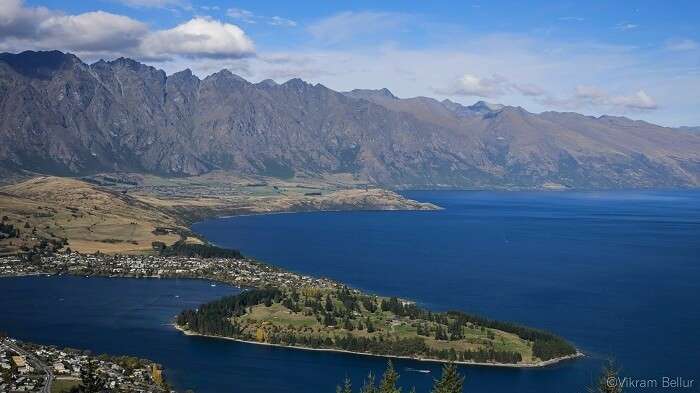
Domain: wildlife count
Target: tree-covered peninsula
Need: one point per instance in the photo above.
(349, 320)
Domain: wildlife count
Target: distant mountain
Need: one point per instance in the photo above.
(59, 115)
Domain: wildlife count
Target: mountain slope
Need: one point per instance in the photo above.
(62, 116)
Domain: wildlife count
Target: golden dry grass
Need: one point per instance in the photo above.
(91, 218)
(122, 220)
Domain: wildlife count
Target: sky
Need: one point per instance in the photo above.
(639, 59)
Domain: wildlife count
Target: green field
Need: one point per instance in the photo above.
(61, 385)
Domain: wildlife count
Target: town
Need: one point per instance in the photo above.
(26, 367)
(240, 272)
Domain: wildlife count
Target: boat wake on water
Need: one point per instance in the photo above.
(415, 370)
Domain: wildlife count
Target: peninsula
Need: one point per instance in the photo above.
(346, 320)
(298, 311)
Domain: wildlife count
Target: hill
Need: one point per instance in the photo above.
(81, 216)
(61, 116)
(126, 213)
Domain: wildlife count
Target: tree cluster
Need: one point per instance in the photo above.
(8, 230)
(182, 249)
(451, 381)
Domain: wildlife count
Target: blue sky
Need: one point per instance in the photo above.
(639, 59)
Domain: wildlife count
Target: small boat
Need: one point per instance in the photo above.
(213, 285)
(418, 370)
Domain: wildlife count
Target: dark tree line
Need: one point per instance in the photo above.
(213, 318)
(182, 249)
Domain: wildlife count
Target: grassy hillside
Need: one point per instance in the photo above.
(126, 213)
(90, 218)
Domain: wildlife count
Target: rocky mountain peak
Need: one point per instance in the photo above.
(296, 83)
(483, 106)
(228, 75)
(382, 93)
(186, 73)
(480, 108)
(41, 65)
(267, 83)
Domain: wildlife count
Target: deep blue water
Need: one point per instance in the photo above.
(617, 273)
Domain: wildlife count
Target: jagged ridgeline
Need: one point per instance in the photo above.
(344, 319)
(62, 116)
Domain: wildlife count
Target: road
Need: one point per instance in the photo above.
(35, 362)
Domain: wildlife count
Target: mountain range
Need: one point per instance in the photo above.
(62, 116)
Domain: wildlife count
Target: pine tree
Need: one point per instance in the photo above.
(370, 326)
(91, 382)
(368, 386)
(389, 380)
(450, 381)
(347, 387)
(608, 381)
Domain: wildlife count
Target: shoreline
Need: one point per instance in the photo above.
(196, 215)
(186, 332)
(279, 212)
(540, 364)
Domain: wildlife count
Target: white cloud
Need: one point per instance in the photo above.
(102, 34)
(199, 37)
(528, 89)
(241, 14)
(626, 26)
(250, 17)
(584, 96)
(599, 97)
(40, 28)
(279, 21)
(639, 100)
(17, 21)
(490, 87)
(472, 85)
(682, 45)
(571, 19)
(87, 32)
(154, 3)
(347, 25)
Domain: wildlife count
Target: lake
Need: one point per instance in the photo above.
(617, 273)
